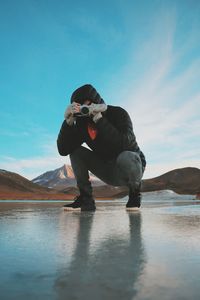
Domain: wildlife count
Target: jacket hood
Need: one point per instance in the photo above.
(86, 92)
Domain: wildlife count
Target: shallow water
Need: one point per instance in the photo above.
(46, 253)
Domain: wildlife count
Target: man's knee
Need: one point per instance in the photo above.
(128, 158)
(130, 167)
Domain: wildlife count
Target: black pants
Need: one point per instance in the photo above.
(125, 170)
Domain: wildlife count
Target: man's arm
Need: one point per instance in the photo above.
(69, 139)
(121, 136)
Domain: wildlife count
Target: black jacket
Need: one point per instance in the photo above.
(114, 135)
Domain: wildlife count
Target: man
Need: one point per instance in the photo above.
(114, 157)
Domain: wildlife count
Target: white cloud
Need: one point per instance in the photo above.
(163, 101)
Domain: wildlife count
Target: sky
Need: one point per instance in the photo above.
(141, 55)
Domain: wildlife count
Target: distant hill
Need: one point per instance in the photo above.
(58, 178)
(61, 178)
(15, 186)
(61, 184)
(17, 182)
(181, 181)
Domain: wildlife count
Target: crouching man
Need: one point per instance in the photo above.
(114, 157)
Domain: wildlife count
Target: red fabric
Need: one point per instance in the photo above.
(92, 131)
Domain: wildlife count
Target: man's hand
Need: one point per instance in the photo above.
(70, 111)
(95, 111)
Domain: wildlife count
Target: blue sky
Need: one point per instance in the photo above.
(141, 55)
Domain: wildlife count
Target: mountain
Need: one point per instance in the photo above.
(61, 178)
(181, 181)
(60, 184)
(15, 186)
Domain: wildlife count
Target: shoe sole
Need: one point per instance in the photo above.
(71, 209)
(78, 209)
(133, 208)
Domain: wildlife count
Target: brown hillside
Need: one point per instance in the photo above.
(13, 186)
(16, 182)
(181, 181)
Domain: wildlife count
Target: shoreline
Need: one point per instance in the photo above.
(48, 198)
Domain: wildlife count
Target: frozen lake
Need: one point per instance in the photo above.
(48, 253)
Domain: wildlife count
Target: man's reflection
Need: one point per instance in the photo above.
(110, 272)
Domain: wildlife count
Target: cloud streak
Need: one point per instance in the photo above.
(163, 102)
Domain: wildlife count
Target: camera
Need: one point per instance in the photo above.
(84, 111)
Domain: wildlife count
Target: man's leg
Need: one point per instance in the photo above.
(130, 166)
(126, 170)
(129, 169)
(82, 161)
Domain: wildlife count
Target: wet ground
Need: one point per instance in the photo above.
(46, 253)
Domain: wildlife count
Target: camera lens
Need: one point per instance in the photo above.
(85, 110)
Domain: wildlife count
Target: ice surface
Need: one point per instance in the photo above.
(47, 253)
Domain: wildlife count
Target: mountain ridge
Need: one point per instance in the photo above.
(62, 177)
(14, 186)
(181, 180)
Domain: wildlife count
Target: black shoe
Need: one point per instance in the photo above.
(81, 203)
(134, 201)
(76, 205)
(88, 204)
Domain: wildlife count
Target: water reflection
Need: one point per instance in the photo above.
(46, 253)
(109, 271)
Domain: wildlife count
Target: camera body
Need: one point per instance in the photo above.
(84, 111)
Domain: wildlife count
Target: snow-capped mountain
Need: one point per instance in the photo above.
(61, 178)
